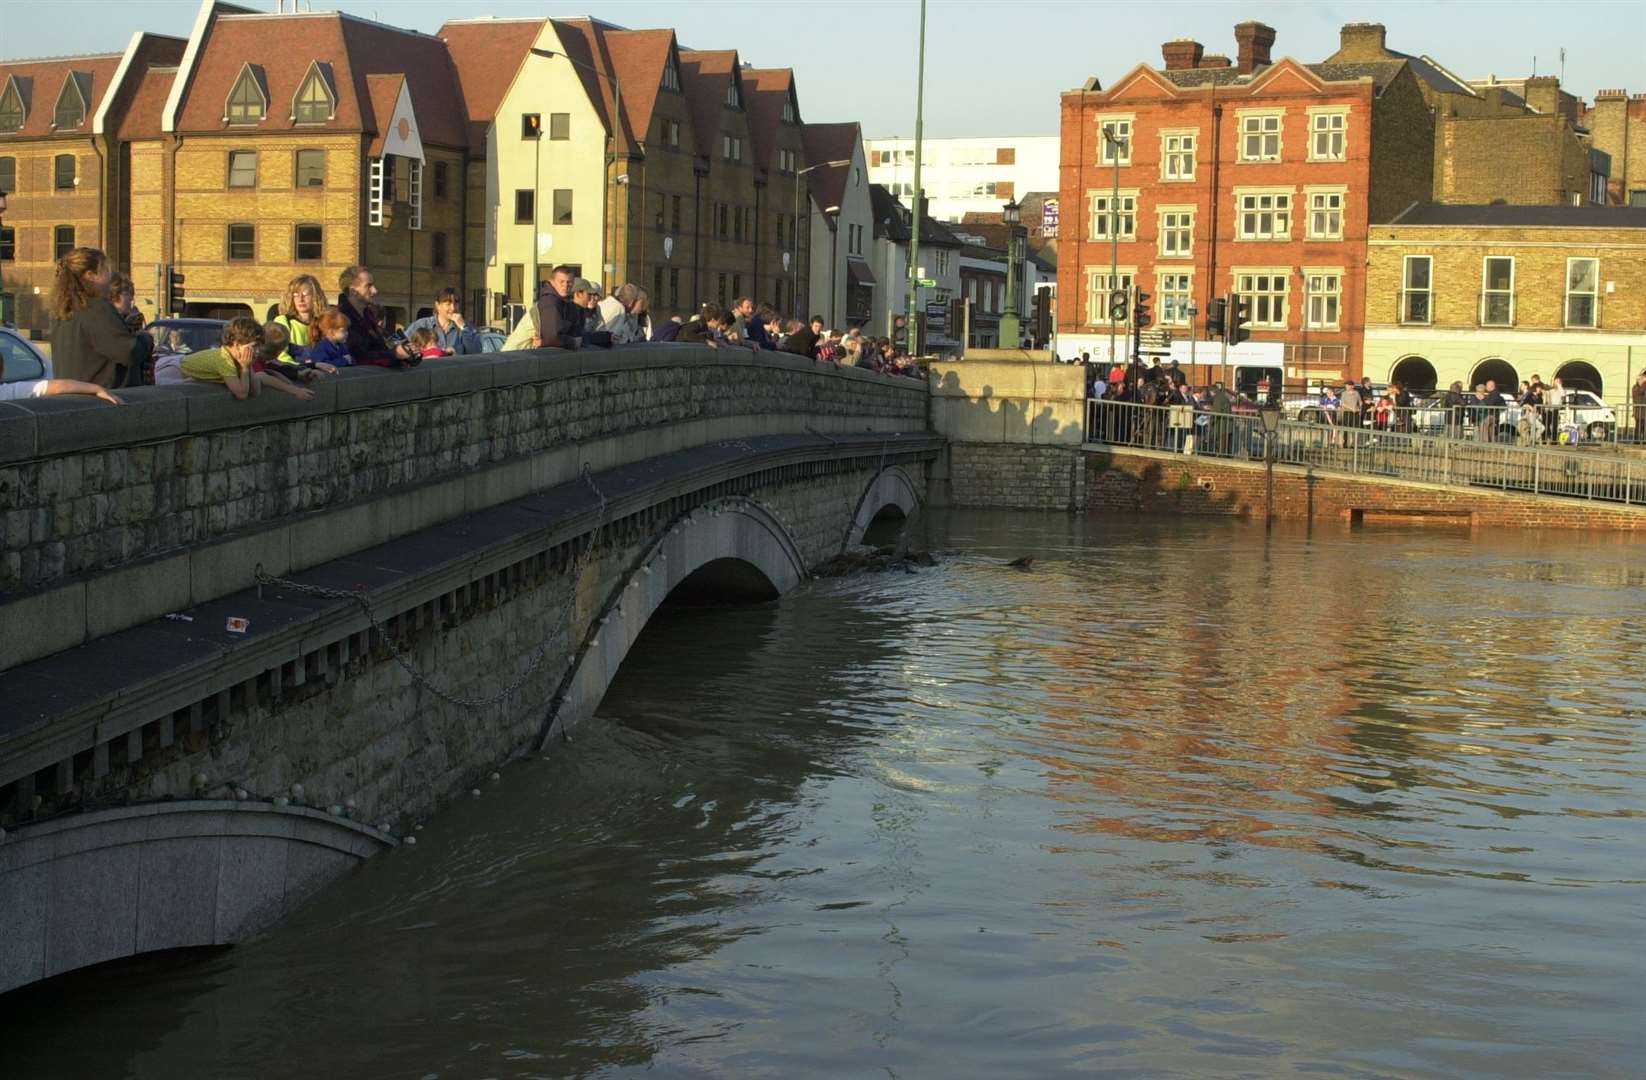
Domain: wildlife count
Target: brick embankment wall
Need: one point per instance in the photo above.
(1014, 477)
(1160, 483)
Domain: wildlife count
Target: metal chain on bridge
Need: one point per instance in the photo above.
(539, 654)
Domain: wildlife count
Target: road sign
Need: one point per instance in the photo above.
(937, 317)
(1048, 218)
(926, 282)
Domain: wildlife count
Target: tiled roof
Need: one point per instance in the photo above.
(703, 76)
(1206, 76)
(142, 119)
(1381, 72)
(891, 221)
(638, 57)
(40, 81)
(830, 142)
(1432, 73)
(1613, 217)
(584, 40)
(283, 47)
(764, 92)
(486, 54)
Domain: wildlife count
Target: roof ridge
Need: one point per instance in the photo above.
(339, 15)
(59, 59)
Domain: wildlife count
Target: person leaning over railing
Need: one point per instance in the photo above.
(451, 333)
(90, 342)
(1453, 404)
(37, 388)
(234, 364)
(300, 309)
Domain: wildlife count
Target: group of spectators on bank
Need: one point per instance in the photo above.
(98, 345)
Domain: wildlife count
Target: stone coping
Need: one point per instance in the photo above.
(45, 427)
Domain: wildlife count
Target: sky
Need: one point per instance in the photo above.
(855, 59)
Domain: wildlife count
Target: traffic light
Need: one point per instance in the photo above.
(1214, 317)
(1140, 310)
(1117, 305)
(1042, 316)
(175, 297)
(1238, 318)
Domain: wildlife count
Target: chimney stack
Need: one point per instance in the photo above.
(1543, 94)
(1254, 41)
(1358, 42)
(1214, 60)
(1182, 54)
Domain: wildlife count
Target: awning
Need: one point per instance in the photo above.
(858, 273)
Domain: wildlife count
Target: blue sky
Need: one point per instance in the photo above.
(855, 59)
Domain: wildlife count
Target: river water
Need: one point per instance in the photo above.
(1182, 799)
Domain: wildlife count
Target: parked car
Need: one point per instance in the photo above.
(24, 362)
(185, 335)
(1593, 417)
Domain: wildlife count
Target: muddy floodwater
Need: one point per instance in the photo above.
(1179, 799)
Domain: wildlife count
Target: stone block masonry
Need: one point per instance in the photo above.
(1013, 477)
(1161, 483)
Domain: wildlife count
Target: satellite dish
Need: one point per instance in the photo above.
(668, 246)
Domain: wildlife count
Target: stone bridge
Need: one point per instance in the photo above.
(244, 645)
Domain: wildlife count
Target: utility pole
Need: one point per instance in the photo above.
(914, 217)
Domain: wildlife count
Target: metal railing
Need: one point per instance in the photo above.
(1563, 425)
(1385, 454)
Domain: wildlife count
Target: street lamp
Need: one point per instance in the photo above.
(1115, 144)
(611, 161)
(794, 233)
(1269, 414)
(1011, 334)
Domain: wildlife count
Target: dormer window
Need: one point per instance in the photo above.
(12, 113)
(671, 75)
(71, 106)
(247, 103)
(314, 103)
(734, 96)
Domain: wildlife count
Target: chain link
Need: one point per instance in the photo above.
(359, 597)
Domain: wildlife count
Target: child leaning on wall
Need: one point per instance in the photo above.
(234, 364)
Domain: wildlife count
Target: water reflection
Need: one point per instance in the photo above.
(1184, 799)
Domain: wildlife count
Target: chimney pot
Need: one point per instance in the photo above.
(1254, 40)
(1181, 54)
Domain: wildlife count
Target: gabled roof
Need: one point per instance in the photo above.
(585, 43)
(830, 142)
(142, 118)
(765, 91)
(638, 57)
(891, 221)
(40, 82)
(1613, 217)
(486, 55)
(283, 46)
(703, 76)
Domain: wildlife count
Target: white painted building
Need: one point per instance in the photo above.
(962, 175)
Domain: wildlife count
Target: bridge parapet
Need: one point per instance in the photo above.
(113, 517)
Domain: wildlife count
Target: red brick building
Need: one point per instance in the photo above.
(1257, 177)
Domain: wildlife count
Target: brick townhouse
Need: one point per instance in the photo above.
(1470, 293)
(1257, 177)
(1616, 123)
(63, 125)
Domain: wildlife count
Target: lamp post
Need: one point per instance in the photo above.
(917, 203)
(1269, 413)
(608, 182)
(794, 237)
(1011, 331)
(1114, 143)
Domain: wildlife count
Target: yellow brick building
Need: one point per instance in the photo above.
(1469, 293)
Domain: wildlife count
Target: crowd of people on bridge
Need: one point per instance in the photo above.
(98, 347)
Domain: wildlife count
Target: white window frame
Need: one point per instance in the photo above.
(1179, 228)
(1244, 116)
(1097, 296)
(1486, 293)
(317, 75)
(1309, 196)
(1274, 210)
(1593, 295)
(1341, 130)
(1170, 154)
(1095, 216)
(1173, 304)
(1407, 291)
(1321, 298)
(1104, 157)
(246, 74)
(1246, 288)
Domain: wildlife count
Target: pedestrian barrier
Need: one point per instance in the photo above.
(1382, 454)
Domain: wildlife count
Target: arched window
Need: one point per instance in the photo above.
(246, 103)
(1496, 370)
(314, 103)
(1581, 375)
(12, 113)
(1415, 374)
(71, 106)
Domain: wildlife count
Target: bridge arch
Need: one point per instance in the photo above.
(891, 489)
(87, 888)
(736, 543)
